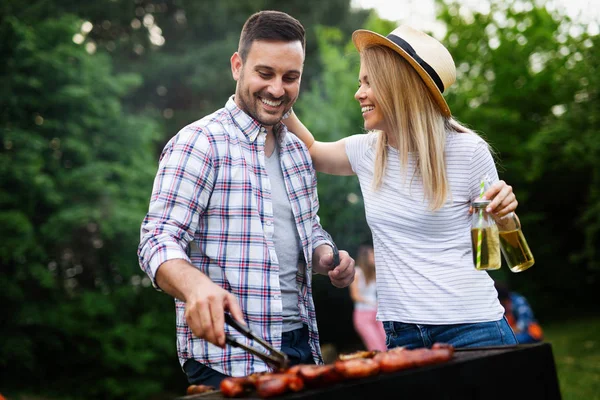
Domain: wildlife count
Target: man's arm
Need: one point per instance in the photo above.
(182, 188)
(180, 194)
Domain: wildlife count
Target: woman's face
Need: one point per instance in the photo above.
(371, 112)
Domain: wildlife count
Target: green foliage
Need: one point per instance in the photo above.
(75, 171)
(188, 75)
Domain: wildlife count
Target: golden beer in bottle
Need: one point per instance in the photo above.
(514, 247)
(484, 238)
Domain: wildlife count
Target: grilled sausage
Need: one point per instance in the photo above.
(398, 359)
(318, 375)
(197, 389)
(236, 386)
(275, 384)
(357, 368)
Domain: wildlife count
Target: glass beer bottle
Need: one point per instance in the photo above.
(484, 238)
(514, 247)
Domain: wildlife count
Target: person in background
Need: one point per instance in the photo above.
(419, 169)
(232, 224)
(519, 314)
(364, 295)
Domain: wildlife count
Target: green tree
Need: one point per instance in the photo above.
(181, 48)
(76, 171)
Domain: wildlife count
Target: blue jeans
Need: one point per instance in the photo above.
(459, 335)
(526, 338)
(293, 343)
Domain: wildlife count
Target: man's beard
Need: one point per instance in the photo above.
(251, 104)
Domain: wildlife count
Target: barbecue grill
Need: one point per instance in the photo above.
(516, 372)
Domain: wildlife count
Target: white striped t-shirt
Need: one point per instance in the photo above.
(425, 272)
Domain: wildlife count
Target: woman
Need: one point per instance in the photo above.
(419, 170)
(364, 295)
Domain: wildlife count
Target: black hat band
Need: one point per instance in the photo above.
(403, 44)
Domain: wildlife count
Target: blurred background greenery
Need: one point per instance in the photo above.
(91, 91)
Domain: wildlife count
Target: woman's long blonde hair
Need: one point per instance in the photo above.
(414, 119)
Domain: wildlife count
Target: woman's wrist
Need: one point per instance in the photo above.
(291, 120)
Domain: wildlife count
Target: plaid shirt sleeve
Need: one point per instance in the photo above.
(320, 236)
(180, 194)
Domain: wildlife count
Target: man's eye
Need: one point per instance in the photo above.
(290, 78)
(264, 75)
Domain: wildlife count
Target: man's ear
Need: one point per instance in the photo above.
(236, 65)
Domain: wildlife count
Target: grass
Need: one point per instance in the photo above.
(576, 349)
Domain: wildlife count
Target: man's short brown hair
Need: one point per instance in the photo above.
(270, 25)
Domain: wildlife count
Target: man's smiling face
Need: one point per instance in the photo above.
(268, 82)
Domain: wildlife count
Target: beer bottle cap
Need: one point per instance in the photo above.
(481, 203)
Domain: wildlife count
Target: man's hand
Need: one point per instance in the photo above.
(205, 312)
(340, 276)
(205, 301)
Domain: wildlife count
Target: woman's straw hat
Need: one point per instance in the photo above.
(429, 57)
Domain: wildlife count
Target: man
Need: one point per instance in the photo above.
(232, 224)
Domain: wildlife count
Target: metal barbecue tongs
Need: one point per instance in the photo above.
(336, 253)
(274, 358)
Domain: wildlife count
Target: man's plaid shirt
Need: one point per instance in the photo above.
(211, 205)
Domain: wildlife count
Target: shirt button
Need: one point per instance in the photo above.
(269, 223)
(276, 297)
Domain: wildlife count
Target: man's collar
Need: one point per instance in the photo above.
(248, 125)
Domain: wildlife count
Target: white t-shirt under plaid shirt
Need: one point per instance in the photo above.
(211, 205)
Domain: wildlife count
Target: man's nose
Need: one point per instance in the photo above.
(276, 88)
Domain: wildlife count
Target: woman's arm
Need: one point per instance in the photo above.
(354, 291)
(328, 157)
